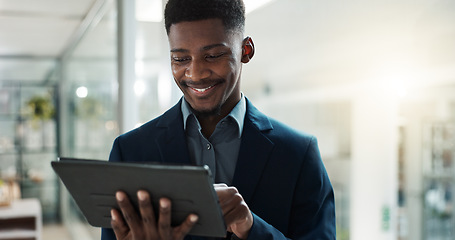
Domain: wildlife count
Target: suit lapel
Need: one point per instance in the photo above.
(254, 152)
(172, 140)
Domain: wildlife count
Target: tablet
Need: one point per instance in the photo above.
(93, 183)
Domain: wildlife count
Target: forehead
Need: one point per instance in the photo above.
(199, 33)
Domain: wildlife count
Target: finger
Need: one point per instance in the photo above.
(121, 230)
(129, 214)
(225, 196)
(164, 220)
(219, 185)
(183, 229)
(238, 216)
(147, 213)
(233, 207)
(237, 213)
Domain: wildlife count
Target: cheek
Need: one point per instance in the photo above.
(233, 71)
(228, 70)
(177, 71)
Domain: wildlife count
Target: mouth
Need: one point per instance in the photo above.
(201, 90)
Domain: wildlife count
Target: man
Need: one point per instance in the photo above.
(272, 183)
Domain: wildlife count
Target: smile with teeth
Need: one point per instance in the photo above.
(201, 90)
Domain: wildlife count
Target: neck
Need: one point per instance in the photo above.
(208, 123)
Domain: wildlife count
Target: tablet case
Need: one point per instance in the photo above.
(93, 183)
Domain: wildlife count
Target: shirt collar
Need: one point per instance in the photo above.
(237, 113)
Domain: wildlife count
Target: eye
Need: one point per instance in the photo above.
(180, 59)
(214, 56)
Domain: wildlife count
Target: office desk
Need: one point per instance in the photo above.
(21, 220)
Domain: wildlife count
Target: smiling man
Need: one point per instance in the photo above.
(271, 183)
(206, 62)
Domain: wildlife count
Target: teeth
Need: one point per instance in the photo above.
(203, 89)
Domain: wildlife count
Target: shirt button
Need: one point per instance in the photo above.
(209, 146)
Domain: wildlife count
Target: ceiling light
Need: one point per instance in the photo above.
(81, 92)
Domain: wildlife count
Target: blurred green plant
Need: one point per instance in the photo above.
(40, 108)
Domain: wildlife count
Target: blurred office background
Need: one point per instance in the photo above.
(373, 80)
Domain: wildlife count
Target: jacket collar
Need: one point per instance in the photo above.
(257, 118)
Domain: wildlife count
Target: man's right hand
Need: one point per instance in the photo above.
(129, 225)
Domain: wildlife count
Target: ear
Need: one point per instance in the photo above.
(247, 49)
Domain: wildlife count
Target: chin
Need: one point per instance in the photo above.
(216, 110)
(209, 112)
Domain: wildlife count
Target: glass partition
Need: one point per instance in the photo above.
(439, 180)
(28, 142)
(88, 104)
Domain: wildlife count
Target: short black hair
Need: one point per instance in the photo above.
(231, 12)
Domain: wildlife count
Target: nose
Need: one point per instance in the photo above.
(197, 70)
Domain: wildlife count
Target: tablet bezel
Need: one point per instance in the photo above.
(93, 183)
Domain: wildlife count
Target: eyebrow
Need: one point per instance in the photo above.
(213, 46)
(205, 48)
(179, 50)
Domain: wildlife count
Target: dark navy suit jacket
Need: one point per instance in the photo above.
(279, 173)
